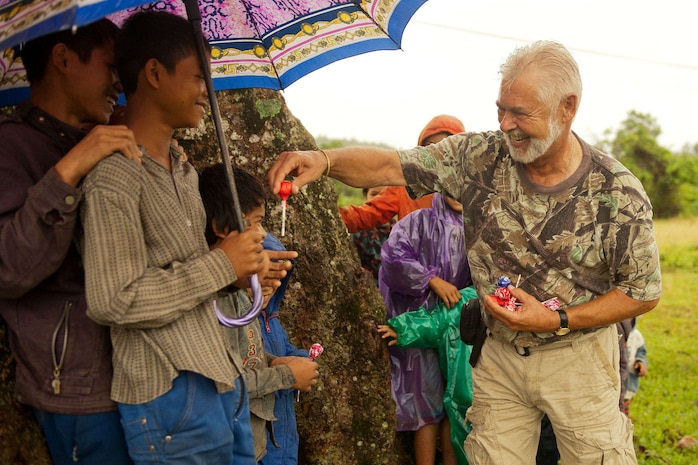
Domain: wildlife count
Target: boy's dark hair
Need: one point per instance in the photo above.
(218, 201)
(36, 52)
(152, 34)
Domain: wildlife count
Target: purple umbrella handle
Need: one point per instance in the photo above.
(251, 315)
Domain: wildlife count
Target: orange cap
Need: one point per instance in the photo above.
(442, 123)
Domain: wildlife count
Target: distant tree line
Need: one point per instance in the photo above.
(670, 179)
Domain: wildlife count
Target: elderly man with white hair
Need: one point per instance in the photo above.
(572, 222)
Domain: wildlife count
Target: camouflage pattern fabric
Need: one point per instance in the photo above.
(575, 241)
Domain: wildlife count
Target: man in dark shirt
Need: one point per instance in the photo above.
(63, 359)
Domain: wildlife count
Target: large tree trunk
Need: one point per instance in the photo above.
(350, 417)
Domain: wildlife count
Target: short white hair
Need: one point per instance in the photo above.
(559, 74)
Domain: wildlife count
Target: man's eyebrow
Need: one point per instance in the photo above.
(515, 109)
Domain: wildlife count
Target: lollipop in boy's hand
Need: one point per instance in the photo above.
(315, 351)
(284, 192)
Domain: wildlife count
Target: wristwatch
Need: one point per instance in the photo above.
(564, 324)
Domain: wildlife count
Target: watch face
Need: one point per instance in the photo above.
(562, 331)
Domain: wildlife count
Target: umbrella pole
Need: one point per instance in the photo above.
(194, 16)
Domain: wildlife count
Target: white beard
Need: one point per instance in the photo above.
(537, 146)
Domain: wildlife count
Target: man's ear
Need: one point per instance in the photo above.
(219, 234)
(152, 70)
(569, 107)
(59, 57)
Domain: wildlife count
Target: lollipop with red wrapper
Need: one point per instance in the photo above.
(313, 353)
(284, 192)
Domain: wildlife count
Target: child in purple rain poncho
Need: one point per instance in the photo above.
(423, 263)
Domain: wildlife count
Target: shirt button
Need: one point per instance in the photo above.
(41, 119)
(69, 200)
(152, 448)
(168, 438)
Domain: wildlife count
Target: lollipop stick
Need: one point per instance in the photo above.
(283, 218)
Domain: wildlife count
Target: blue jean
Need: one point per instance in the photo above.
(192, 423)
(95, 439)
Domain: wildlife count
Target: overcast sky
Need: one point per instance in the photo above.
(633, 55)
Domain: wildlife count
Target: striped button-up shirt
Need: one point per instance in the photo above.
(151, 277)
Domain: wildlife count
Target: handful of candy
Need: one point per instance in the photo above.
(503, 296)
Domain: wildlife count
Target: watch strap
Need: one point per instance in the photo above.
(564, 323)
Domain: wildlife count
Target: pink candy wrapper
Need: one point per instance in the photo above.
(553, 304)
(315, 351)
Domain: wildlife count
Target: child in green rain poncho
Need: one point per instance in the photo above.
(439, 328)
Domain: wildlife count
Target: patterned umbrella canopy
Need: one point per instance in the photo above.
(255, 43)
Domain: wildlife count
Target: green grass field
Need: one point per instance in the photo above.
(666, 407)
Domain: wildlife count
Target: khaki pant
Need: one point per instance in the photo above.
(576, 382)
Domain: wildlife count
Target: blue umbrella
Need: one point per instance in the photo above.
(254, 43)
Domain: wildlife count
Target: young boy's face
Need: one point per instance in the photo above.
(185, 93)
(96, 85)
(255, 218)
